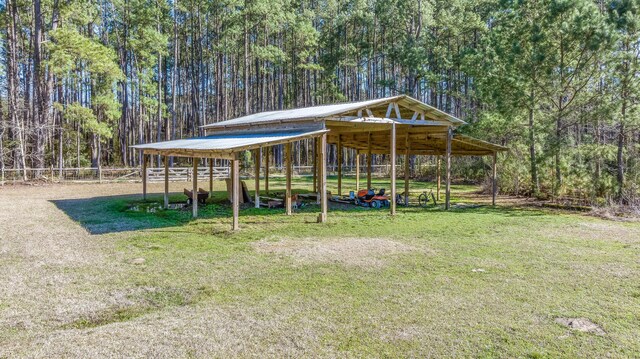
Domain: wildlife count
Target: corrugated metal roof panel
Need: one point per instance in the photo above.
(228, 141)
(480, 143)
(324, 111)
(299, 113)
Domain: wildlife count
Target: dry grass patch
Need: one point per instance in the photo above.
(356, 252)
(618, 213)
(136, 302)
(581, 325)
(609, 230)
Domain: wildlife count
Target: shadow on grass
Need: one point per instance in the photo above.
(110, 214)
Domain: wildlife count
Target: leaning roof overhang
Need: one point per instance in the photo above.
(478, 144)
(224, 145)
(378, 108)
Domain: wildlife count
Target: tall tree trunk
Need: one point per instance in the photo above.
(620, 156)
(159, 112)
(17, 129)
(174, 80)
(39, 95)
(245, 85)
(124, 65)
(535, 184)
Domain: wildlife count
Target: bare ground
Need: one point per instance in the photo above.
(55, 273)
(357, 252)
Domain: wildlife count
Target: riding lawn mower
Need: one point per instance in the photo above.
(369, 198)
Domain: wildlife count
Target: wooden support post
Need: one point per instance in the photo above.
(407, 169)
(194, 195)
(314, 154)
(438, 170)
(323, 178)
(494, 179)
(393, 169)
(448, 173)
(266, 170)
(235, 196)
(258, 157)
(319, 171)
(339, 165)
(289, 169)
(144, 176)
(357, 172)
(210, 177)
(369, 162)
(166, 182)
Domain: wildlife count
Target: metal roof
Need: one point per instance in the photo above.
(229, 142)
(481, 144)
(319, 112)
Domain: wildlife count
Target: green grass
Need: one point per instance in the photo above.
(537, 266)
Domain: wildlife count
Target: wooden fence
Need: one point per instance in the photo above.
(156, 174)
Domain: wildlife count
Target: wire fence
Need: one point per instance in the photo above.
(156, 174)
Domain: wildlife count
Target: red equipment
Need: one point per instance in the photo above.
(369, 198)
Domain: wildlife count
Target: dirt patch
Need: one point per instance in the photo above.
(407, 333)
(582, 325)
(135, 302)
(359, 252)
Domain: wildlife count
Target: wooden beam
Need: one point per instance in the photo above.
(415, 116)
(406, 171)
(339, 166)
(356, 127)
(357, 172)
(266, 170)
(389, 109)
(314, 153)
(448, 173)
(323, 179)
(278, 142)
(210, 160)
(397, 109)
(258, 157)
(393, 169)
(370, 121)
(319, 171)
(166, 182)
(494, 179)
(144, 176)
(194, 194)
(438, 165)
(289, 169)
(369, 162)
(235, 188)
(191, 153)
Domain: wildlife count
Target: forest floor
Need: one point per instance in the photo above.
(84, 276)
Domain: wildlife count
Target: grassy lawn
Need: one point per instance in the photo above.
(471, 282)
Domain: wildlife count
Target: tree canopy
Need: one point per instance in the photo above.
(555, 80)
